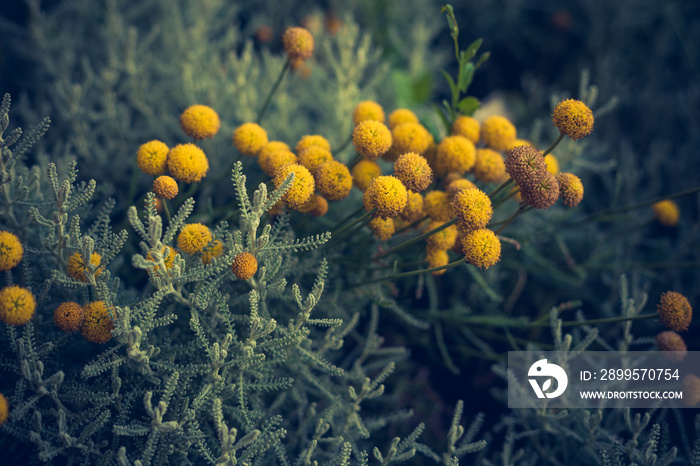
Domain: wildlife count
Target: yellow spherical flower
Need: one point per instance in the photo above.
(413, 171)
(200, 122)
(76, 266)
(301, 189)
(270, 148)
(69, 316)
(414, 208)
(436, 205)
(187, 163)
(666, 212)
(298, 43)
(244, 266)
(193, 238)
(98, 324)
(552, 164)
(410, 137)
(165, 187)
(364, 172)
(672, 345)
(443, 239)
(11, 250)
(691, 390)
(474, 209)
(573, 118)
(313, 157)
(312, 140)
(367, 110)
(454, 154)
(570, 189)
(400, 116)
(320, 206)
(542, 194)
(467, 127)
(333, 180)
(382, 228)
(212, 252)
(489, 166)
(17, 305)
(4, 409)
(270, 162)
(498, 133)
(371, 139)
(437, 258)
(674, 311)
(249, 139)
(458, 185)
(482, 248)
(152, 157)
(168, 261)
(387, 194)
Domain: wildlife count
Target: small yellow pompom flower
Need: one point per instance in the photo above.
(364, 172)
(387, 194)
(69, 316)
(312, 140)
(474, 209)
(187, 163)
(98, 325)
(400, 116)
(333, 180)
(249, 139)
(458, 185)
(193, 238)
(4, 409)
(414, 208)
(313, 157)
(666, 212)
(552, 164)
(367, 110)
(382, 228)
(573, 118)
(674, 311)
(570, 189)
(298, 43)
(443, 239)
(413, 171)
(152, 157)
(371, 139)
(436, 205)
(467, 127)
(270, 148)
(76, 266)
(273, 161)
(437, 258)
(455, 154)
(11, 250)
(672, 344)
(17, 305)
(165, 187)
(410, 137)
(320, 207)
(489, 166)
(482, 248)
(200, 122)
(301, 189)
(498, 133)
(244, 266)
(216, 249)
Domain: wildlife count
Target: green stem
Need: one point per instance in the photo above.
(268, 99)
(418, 238)
(521, 209)
(412, 273)
(342, 147)
(503, 186)
(167, 211)
(354, 161)
(554, 144)
(364, 217)
(343, 221)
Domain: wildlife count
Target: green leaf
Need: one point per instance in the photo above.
(442, 117)
(473, 48)
(451, 20)
(468, 105)
(466, 74)
(450, 81)
(483, 58)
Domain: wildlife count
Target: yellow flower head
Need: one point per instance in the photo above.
(364, 172)
(17, 305)
(467, 127)
(187, 163)
(270, 148)
(200, 122)
(249, 139)
(216, 249)
(11, 250)
(244, 266)
(371, 139)
(193, 238)
(543, 193)
(455, 154)
(76, 266)
(570, 189)
(498, 133)
(436, 205)
(552, 164)
(320, 207)
(312, 140)
(270, 162)
(458, 185)
(98, 325)
(443, 239)
(666, 212)
(525, 165)
(474, 209)
(367, 110)
(165, 187)
(333, 180)
(313, 157)
(691, 390)
(413, 171)
(674, 311)
(387, 194)
(400, 116)
(152, 157)
(298, 43)
(672, 345)
(4, 409)
(482, 248)
(414, 208)
(573, 118)
(410, 137)
(437, 258)
(382, 228)
(301, 189)
(489, 166)
(69, 316)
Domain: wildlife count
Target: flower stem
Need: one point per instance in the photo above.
(418, 238)
(521, 209)
(554, 144)
(166, 209)
(275, 86)
(503, 186)
(363, 218)
(412, 273)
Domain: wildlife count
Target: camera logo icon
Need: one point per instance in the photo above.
(542, 368)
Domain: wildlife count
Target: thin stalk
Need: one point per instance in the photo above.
(363, 218)
(166, 209)
(275, 86)
(343, 146)
(412, 273)
(418, 238)
(503, 186)
(354, 161)
(521, 209)
(346, 219)
(554, 144)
